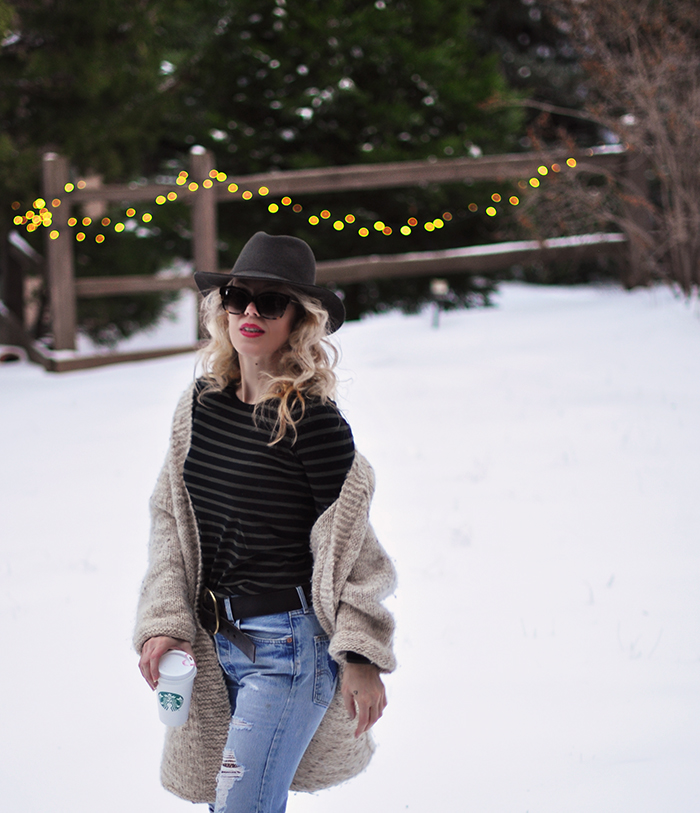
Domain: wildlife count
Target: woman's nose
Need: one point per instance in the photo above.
(251, 310)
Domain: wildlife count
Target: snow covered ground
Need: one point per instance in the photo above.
(538, 467)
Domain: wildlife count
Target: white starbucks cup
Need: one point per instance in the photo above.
(174, 690)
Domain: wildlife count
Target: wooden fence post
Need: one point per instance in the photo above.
(59, 253)
(204, 235)
(204, 226)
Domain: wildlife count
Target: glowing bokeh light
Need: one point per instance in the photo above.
(32, 220)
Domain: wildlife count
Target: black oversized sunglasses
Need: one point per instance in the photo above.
(269, 304)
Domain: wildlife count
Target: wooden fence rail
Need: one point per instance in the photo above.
(64, 288)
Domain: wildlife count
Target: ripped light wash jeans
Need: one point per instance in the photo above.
(277, 704)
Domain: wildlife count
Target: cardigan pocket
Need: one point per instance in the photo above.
(325, 674)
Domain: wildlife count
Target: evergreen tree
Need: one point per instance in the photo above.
(84, 79)
(293, 85)
(124, 90)
(542, 67)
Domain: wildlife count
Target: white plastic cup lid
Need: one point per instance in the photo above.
(176, 665)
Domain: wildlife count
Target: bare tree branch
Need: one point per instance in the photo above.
(642, 59)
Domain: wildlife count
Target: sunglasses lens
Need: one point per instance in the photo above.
(269, 305)
(235, 300)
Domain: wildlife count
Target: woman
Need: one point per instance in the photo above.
(262, 561)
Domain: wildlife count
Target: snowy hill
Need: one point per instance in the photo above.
(538, 467)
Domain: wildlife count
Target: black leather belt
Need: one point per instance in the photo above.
(212, 612)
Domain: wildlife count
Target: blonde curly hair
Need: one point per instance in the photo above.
(306, 367)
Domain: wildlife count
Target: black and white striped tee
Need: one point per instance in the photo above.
(255, 504)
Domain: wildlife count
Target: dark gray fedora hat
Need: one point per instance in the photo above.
(278, 258)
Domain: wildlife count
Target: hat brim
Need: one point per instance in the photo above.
(208, 282)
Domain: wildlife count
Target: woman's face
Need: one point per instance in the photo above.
(254, 337)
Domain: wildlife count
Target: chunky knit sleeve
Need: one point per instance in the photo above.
(168, 590)
(353, 574)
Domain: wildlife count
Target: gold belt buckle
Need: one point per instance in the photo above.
(216, 610)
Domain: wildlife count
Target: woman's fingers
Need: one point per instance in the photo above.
(363, 694)
(153, 650)
(349, 702)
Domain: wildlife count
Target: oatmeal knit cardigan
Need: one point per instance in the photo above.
(352, 574)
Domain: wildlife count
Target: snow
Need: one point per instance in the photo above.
(538, 467)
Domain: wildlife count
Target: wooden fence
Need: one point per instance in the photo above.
(204, 195)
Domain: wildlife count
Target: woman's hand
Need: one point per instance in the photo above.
(153, 650)
(363, 694)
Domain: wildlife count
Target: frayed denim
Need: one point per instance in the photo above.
(277, 703)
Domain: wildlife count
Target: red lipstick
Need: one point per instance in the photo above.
(250, 330)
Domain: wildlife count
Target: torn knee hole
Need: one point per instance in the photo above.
(230, 769)
(239, 722)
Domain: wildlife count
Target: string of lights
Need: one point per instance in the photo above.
(40, 215)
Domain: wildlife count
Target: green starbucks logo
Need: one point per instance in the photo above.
(170, 701)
